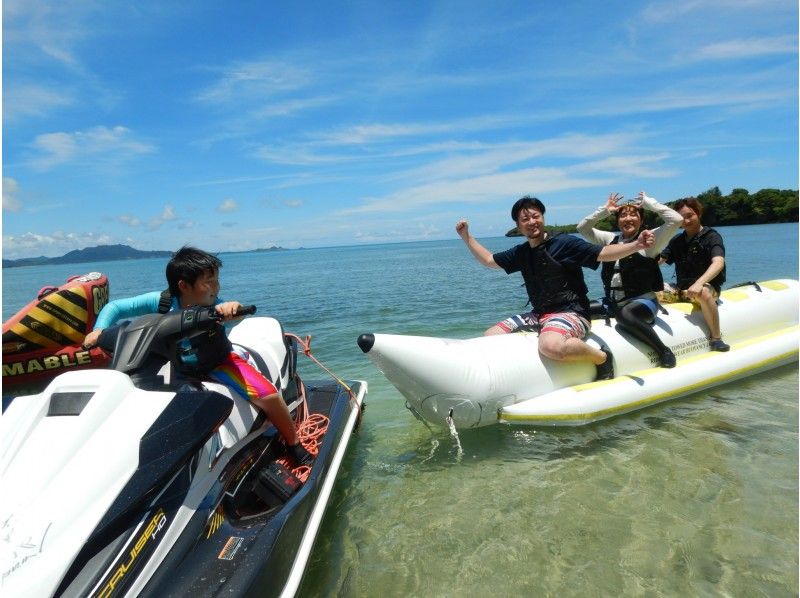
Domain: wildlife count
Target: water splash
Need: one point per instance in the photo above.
(434, 446)
(454, 435)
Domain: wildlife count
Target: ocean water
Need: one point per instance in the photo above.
(697, 496)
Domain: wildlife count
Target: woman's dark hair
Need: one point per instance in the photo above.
(692, 204)
(189, 263)
(526, 202)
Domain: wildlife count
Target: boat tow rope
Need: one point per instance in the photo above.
(306, 345)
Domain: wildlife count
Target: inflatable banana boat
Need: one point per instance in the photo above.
(486, 380)
(44, 338)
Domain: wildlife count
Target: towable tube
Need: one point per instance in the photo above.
(44, 338)
(481, 381)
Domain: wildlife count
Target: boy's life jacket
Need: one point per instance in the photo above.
(202, 353)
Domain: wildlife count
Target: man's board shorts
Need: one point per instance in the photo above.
(568, 323)
(237, 374)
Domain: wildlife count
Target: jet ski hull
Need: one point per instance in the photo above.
(264, 553)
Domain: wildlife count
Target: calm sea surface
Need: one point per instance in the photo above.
(698, 496)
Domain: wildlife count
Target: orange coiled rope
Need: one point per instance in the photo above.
(310, 432)
(310, 428)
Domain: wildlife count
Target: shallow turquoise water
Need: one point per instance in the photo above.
(698, 496)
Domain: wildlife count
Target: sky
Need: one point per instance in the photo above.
(243, 124)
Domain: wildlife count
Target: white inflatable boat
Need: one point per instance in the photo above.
(480, 381)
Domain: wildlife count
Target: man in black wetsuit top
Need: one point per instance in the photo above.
(551, 266)
(699, 257)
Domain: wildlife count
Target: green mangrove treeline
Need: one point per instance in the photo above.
(739, 207)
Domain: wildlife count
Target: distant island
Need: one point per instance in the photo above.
(101, 253)
(273, 248)
(767, 206)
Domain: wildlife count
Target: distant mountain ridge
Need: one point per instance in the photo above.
(100, 253)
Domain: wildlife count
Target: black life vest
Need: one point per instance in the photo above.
(639, 275)
(693, 259)
(552, 287)
(206, 350)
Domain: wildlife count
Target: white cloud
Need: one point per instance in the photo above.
(296, 155)
(747, 48)
(275, 204)
(639, 166)
(10, 201)
(55, 244)
(167, 215)
(491, 158)
(290, 107)
(129, 220)
(379, 132)
(98, 143)
(672, 10)
(227, 205)
(246, 81)
(22, 101)
(481, 189)
(47, 30)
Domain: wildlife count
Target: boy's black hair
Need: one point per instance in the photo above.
(526, 202)
(189, 263)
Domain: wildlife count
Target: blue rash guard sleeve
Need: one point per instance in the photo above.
(125, 309)
(133, 307)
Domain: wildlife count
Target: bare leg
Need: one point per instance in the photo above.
(494, 330)
(278, 413)
(708, 305)
(558, 347)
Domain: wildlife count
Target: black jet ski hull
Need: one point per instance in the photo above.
(230, 553)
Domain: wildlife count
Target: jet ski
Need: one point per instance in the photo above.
(134, 480)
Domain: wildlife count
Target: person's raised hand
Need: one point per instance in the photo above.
(462, 228)
(611, 202)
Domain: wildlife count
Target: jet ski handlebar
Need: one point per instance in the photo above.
(158, 334)
(200, 317)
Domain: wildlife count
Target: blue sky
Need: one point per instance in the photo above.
(243, 124)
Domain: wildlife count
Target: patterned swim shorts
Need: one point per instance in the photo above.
(568, 324)
(239, 375)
